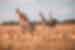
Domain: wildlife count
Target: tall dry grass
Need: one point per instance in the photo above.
(61, 37)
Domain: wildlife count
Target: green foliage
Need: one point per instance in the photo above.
(10, 23)
(69, 21)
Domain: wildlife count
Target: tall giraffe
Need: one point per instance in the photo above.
(52, 21)
(43, 18)
(24, 21)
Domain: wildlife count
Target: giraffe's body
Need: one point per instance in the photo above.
(25, 25)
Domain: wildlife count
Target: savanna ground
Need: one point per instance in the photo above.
(60, 37)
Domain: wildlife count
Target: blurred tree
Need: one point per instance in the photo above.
(10, 23)
(71, 21)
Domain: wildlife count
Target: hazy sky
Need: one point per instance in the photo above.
(60, 8)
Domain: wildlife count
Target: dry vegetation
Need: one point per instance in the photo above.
(60, 37)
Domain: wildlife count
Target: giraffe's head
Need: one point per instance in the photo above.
(18, 11)
(21, 14)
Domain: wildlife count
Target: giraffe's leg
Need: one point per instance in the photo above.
(32, 30)
(23, 29)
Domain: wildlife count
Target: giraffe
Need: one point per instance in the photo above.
(24, 21)
(51, 22)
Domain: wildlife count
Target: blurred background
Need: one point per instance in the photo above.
(60, 9)
(36, 25)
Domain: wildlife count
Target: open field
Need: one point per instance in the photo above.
(60, 37)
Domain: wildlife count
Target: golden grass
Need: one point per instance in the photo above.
(61, 37)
